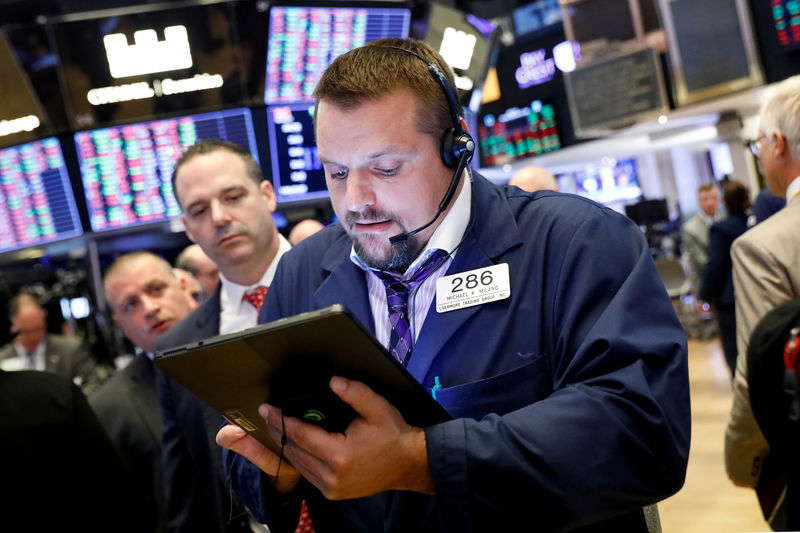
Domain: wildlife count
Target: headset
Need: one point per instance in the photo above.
(457, 145)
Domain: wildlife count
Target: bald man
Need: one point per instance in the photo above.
(146, 298)
(305, 228)
(533, 179)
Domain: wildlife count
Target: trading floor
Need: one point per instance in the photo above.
(709, 502)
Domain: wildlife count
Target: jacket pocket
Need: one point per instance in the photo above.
(499, 394)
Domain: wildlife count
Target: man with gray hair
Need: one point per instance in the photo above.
(765, 268)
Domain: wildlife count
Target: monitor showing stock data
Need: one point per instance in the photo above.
(127, 170)
(304, 40)
(786, 16)
(517, 133)
(36, 201)
(297, 174)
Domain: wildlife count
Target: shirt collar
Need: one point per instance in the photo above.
(793, 189)
(233, 292)
(449, 233)
(39, 350)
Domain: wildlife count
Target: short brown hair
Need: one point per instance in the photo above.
(736, 198)
(376, 69)
(208, 146)
(706, 187)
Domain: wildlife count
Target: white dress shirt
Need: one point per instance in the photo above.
(235, 313)
(446, 237)
(794, 188)
(20, 362)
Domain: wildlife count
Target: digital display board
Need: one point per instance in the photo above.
(22, 118)
(297, 174)
(607, 182)
(36, 201)
(786, 14)
(536, 15)
(517, 133)
(148, 62)
(303, 41)
(467, 43)
(127, 170)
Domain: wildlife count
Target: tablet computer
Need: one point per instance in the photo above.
(288, 363)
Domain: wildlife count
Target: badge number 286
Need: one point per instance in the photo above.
(475, 287)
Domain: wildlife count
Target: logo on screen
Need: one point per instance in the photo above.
(457, 48)
(148, 55)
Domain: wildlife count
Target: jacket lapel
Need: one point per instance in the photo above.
(342, 273)
(145, 401)
(491, 232)
(207, 318)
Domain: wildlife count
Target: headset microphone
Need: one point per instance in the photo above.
(457, 145)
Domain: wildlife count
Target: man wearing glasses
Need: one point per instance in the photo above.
(765, 268)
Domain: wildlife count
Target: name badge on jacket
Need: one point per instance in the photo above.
(475, 287)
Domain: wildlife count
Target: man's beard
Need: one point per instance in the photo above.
(400, 255)
(399, 258)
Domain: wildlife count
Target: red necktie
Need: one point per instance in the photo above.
(305, 525)
(255, 296)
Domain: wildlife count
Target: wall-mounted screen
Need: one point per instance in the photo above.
(127, 170)
(599, 20)
(608, 182)
(297, 174)
(304, 40)
(536, 15)
(36, 56)
(144, 63)
(36, 201)
(786, 16)
(708, 63)
(22, 118)
(467, 43)
(517, 133)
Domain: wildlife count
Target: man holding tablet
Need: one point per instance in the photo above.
(538, 318)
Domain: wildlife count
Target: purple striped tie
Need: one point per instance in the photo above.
(397, 291)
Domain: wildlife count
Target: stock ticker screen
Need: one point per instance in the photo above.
(303, 41)
(786, 15)
(297, 173)
(127, 170)
(517, 133)
(36, 201)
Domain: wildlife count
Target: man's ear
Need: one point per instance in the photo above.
(780, 146)
(268, 192)
(463, 124)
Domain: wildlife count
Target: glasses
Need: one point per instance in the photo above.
(755, 144)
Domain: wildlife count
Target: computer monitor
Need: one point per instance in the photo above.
(127, 170)
(304, 40)
(467, 43)
(535, 15)
(786, 18)
(297, 174)
(608, 181)
(517, 133)
(36, 201)
(648, 212)
(22, 118)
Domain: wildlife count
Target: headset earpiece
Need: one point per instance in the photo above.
(454, 144)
